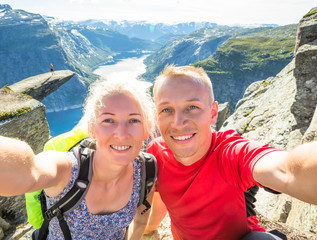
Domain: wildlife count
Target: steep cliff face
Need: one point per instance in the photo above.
(279, 111)
(23, 117)
(305, 70)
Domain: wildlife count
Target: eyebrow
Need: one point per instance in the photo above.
(110, 113)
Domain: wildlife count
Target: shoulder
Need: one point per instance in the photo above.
(158, 148)
(230, 137)
(228, 134)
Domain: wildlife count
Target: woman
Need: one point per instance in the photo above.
(119, 118)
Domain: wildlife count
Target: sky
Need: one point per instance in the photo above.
(223, 12)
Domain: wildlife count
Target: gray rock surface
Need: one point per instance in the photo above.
(40, 86)
(223, 114)
(306, 81)
(307, 30)
(280, 111)
(311, 133)
(26, 119)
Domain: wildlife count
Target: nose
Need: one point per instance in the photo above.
(180, 119)
(121, 131)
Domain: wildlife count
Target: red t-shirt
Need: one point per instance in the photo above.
(206, 199)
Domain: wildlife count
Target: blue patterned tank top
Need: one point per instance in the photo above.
(85, 225)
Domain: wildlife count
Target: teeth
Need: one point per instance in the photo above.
(120, 148)
(182, 138)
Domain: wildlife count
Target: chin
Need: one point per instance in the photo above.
(123, 161)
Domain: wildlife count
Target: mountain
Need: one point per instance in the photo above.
(159, 32)
(188, 49)
(28, 46)
(233, 57)
(248, 57)
(109, 40)
(30, 43)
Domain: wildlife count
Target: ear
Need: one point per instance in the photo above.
(214, 113)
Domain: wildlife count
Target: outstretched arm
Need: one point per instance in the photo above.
(158, 212)
(293, 173)
(21, 171)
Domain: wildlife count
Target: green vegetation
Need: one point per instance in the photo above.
(244, 130)
(18, 112)
(263, 84)
(247, 114)
(246, 56)
(6, 89)
(244, 60)
(313, 11)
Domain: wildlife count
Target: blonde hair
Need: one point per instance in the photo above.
(102, 88)
(196, 74)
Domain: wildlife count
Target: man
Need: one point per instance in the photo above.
(203, 174)
(52, 69)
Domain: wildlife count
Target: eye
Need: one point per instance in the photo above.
(134, 120)
(108, 120)
(192, 107)
(166, 110)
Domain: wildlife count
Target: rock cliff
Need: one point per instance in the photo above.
(40, 86)
(281, 111)
(22, 116)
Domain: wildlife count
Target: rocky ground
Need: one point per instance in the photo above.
(164, 231)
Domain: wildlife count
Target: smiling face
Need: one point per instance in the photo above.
(119, 128)
(184, 117)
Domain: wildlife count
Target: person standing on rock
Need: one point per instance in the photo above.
(120, 117)
(52, 69)
(203, 174)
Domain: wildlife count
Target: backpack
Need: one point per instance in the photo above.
(39, 216)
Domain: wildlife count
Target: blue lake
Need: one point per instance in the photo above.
(63, 121)
(129, 68)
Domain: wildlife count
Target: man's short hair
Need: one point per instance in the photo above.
(196, 74)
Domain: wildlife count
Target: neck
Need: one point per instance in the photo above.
(106, 172)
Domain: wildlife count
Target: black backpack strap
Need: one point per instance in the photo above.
(74, 196)
(148, 178)
(271, 190)
(250, 198)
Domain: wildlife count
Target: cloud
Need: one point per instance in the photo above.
(221, 12)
